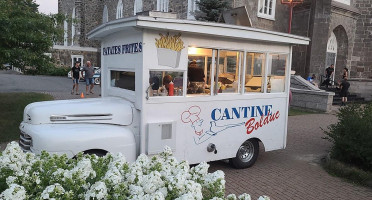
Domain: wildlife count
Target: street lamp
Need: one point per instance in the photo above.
(291, 4)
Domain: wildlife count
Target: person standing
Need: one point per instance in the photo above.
(328, 72)
(89, 72)
(344, 90)
(346, 73)
(75, 75)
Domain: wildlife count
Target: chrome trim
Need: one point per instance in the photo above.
(54, 118)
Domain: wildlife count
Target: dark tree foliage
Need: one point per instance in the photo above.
(26, 34)
(211, 10)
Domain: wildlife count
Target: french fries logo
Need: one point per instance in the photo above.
(170, 42)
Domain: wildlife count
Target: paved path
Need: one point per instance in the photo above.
(292, 173)
(58, 87)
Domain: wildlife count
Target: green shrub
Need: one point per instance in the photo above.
(50, 70)
(352, 136)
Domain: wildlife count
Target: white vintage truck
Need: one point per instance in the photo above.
(209, 91)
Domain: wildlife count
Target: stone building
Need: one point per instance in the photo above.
(340, 31)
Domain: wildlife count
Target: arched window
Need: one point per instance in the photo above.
(191, 8)
(105, 15)
(73, 26)
(163, 5)
(65, 35)
(137, 6)
(332, 44)
(119, 10)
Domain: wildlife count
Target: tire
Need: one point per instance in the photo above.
(99, 153)
(97, 81)
(247, 154)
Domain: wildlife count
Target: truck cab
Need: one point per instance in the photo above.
(209, 91)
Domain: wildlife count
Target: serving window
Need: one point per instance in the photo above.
(165, 83)
(123, 79)
(254, 72)
(215, 71)
(199, 71)
(276, 73)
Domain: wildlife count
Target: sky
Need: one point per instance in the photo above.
(48, 6)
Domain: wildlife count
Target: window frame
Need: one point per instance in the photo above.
(119, 9)
(266, 15)
(105, 15)
(347, 2)
(136, 5)
(132, 92)
(162, 5)
(191, 7)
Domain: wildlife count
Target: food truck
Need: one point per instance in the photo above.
(209, 91)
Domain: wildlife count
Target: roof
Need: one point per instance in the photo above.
(198, 27)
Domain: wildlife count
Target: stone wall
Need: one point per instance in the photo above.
(280, 23)
(343, 23)
(361, 87)
(62, 57)
(361, 63)
(180, 7)
(313, 100)
(318, 32)
(91, 18)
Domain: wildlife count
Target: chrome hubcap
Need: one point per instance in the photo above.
(246, 151)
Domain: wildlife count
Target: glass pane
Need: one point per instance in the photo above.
(198, 71)
(254, 72)
(123, 79)
(228, 71)
(166, 83)
(276, 72)
(266, 5)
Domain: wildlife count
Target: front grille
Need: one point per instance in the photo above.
(25, 142)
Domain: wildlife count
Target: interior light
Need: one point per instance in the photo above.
(192, 51)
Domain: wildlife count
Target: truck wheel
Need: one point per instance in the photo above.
(247, 154)
(97, 81)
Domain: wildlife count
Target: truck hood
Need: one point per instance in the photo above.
(108, 110)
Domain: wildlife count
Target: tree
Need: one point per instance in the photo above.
(26, 34)
(211, 10)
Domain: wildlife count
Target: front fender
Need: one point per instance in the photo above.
(74, 138)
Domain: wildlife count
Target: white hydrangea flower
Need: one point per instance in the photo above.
(187, 196)
(10, 180)
(216, 198)
(113, 176)
(83, 169)
(264, 198)
(244, 196)
(14, 159)
(97, 191)
(135, 190)
(231, 197)
(52, 191)
(167, 151)
(14, 192)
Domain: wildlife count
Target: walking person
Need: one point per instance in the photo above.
(344, 85)
(89, 72)
(75, 75)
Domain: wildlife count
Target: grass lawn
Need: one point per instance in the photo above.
(11, 112)
(298, 111)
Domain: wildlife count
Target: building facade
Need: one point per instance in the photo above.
(340, 30)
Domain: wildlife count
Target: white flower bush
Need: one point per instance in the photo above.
(26, 176)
